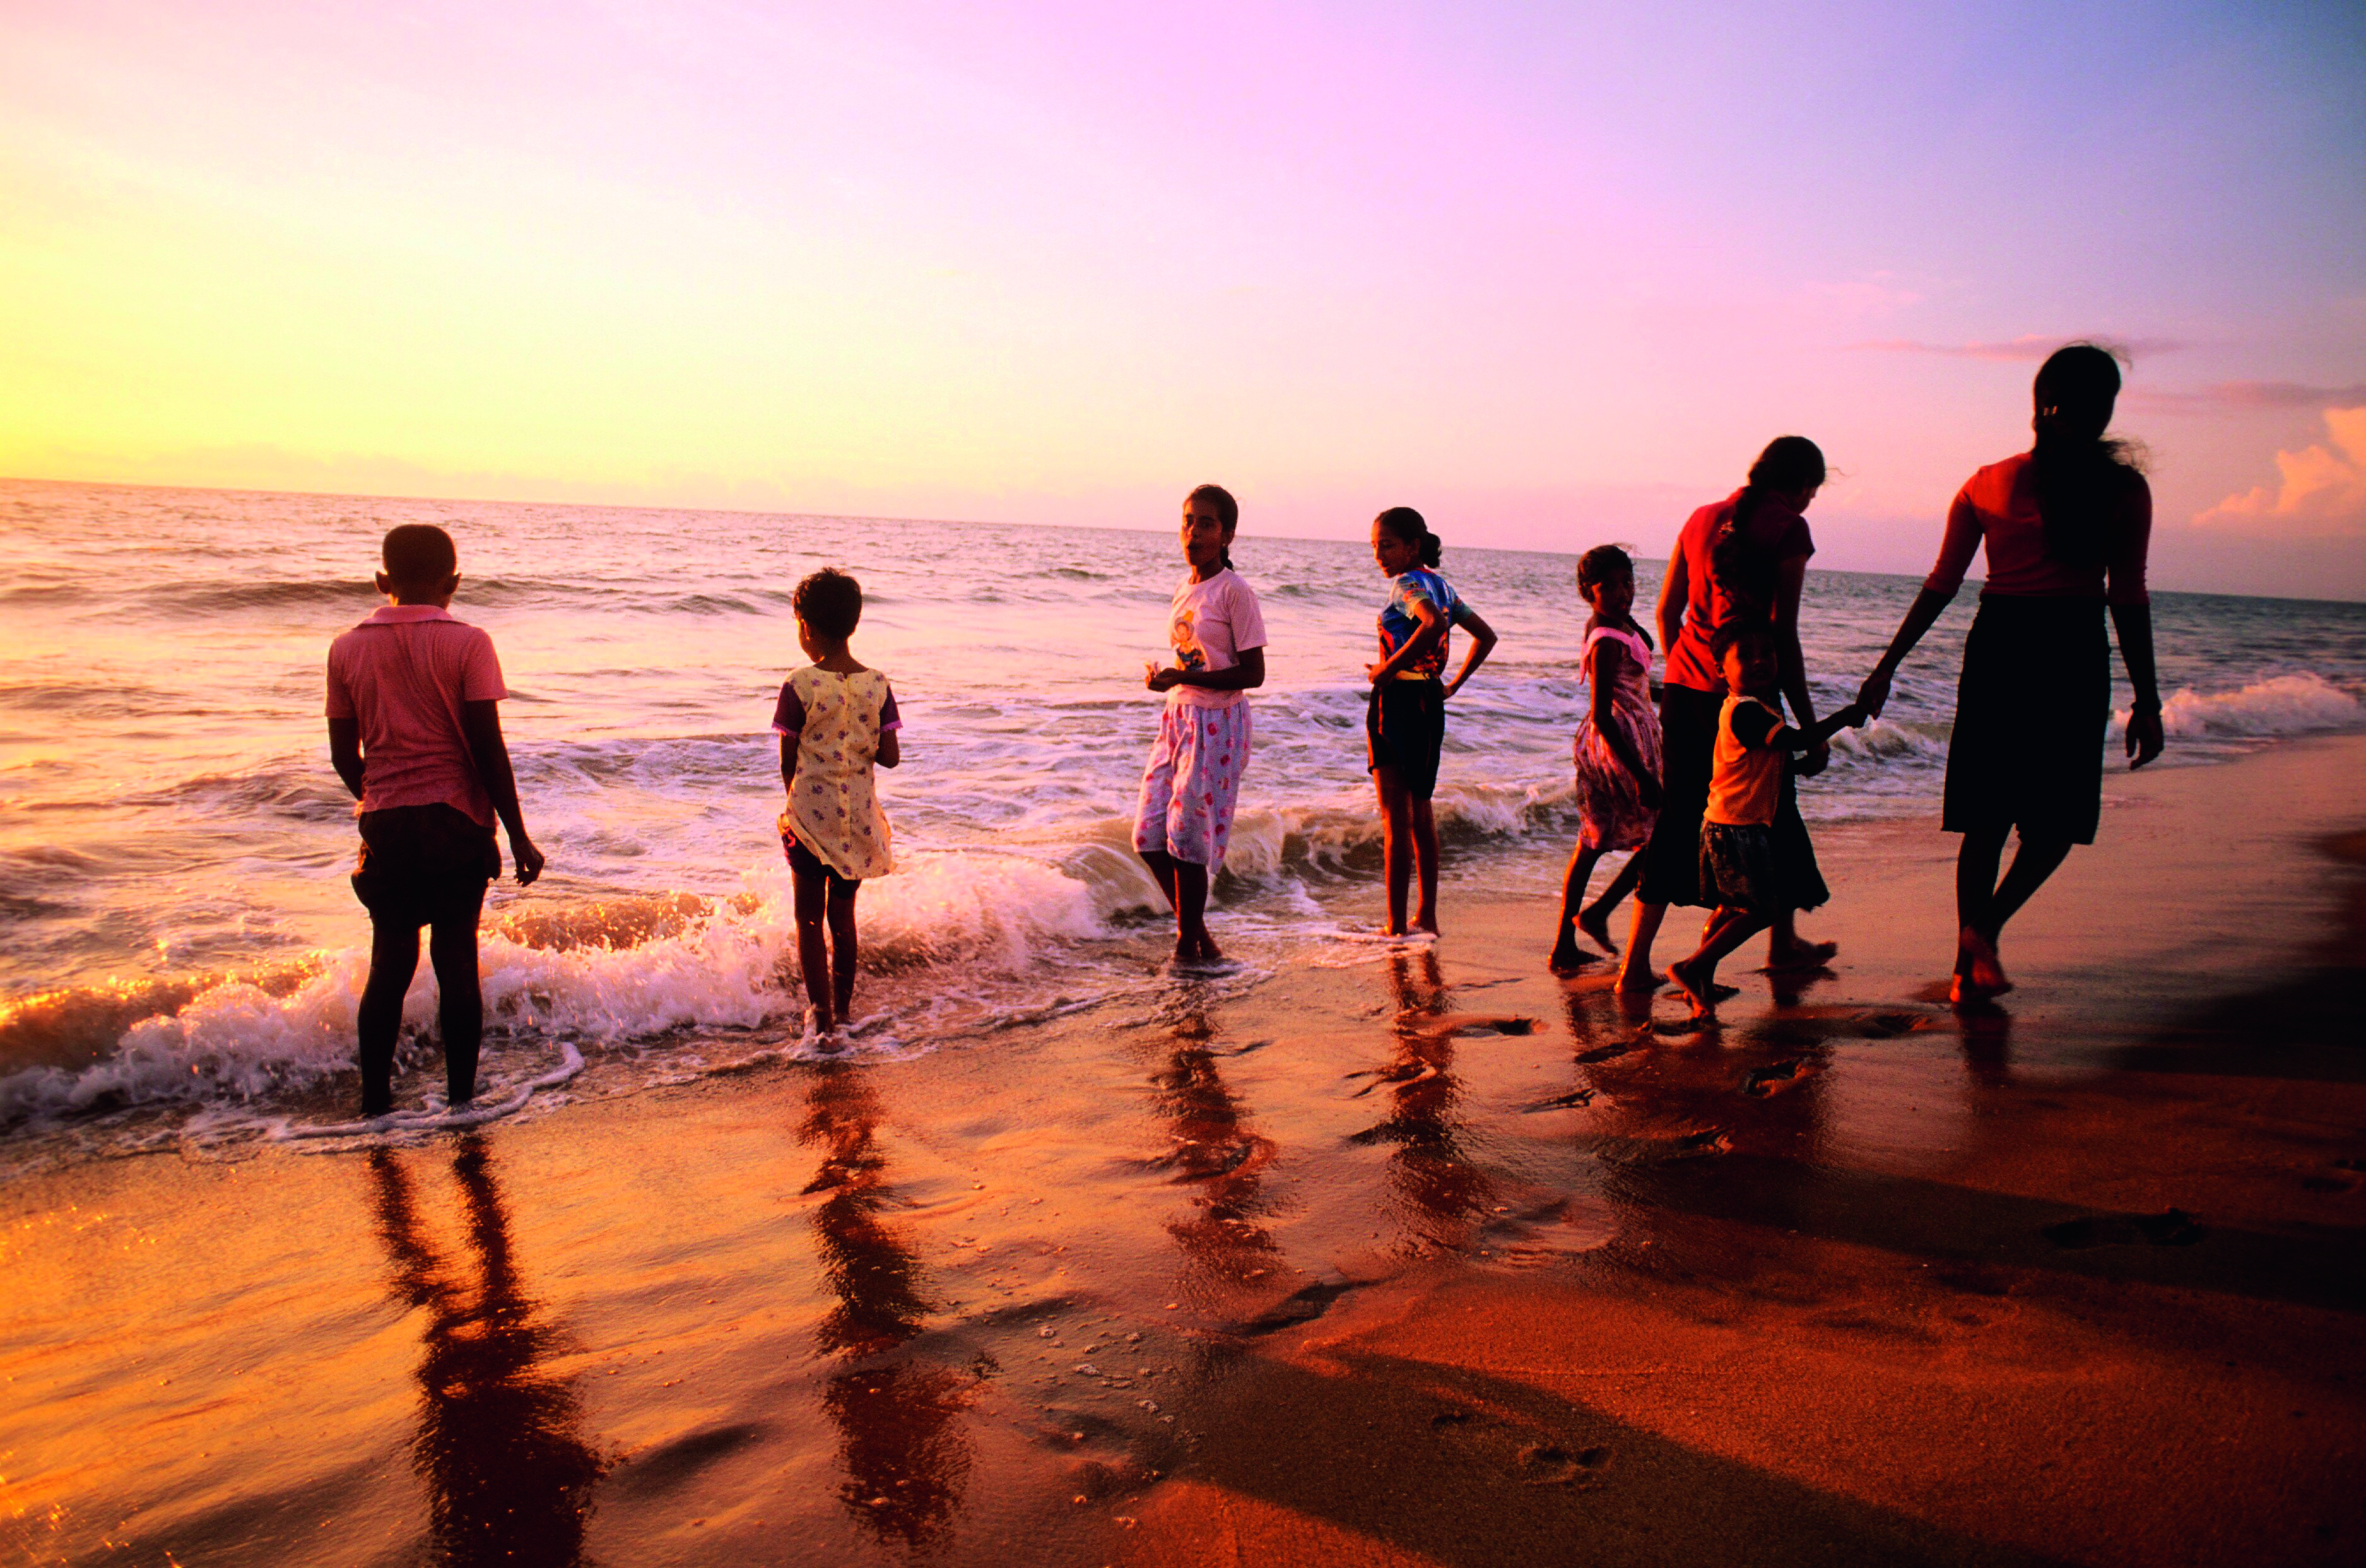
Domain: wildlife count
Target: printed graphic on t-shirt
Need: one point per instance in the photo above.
(1189, 654)
(1399, 624)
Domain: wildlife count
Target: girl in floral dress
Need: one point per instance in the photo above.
(1616, 752)
(837, 720)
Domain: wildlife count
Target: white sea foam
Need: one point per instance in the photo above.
(730, 967)
(2283, 704)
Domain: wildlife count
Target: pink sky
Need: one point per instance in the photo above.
(1550, 277)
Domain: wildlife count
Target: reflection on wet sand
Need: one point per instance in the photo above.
(1219, 1154)
(1988, 1046)
(1438, 1190)
(900, 1436)
(509, 1476)
(1669, 1110)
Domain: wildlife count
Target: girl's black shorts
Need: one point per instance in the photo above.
(1406, 728)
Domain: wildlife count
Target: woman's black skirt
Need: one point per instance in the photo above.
(2030, 710)
(1687, 745)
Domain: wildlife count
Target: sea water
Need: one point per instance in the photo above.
(182, 955)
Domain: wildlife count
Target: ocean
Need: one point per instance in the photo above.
(182, 955)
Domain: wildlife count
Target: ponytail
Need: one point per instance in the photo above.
(2076, 471)
(1404, 524)
(1736, 563)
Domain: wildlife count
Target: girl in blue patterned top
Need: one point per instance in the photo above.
(1405, 724)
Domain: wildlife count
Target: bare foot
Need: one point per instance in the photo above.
(1568, 958)
(1595, 924)
(1636, 980)
(1979, 973)
(1801, 954)
(1427, 923)
(1697, 988)
(1198, 949)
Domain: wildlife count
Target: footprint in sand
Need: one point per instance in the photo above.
(1889, 1025)
(1548, 1464)
(1442, 1026)
(1301, 1306)
(1759, 1082)
(1708, 1141)
(2171, 1228)
(2345, 1177)
(1574, 1099)
(1604, 1052)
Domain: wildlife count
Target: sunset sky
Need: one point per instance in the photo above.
(1551, 274)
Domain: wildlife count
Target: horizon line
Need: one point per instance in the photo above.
(985, 523)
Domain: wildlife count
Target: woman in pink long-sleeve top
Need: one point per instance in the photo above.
(2066, 526)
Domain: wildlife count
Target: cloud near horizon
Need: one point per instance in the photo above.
(2226, 397)
(2320, 493)
(2031, 347)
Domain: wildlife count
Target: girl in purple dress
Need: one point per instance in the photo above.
(1616, 752)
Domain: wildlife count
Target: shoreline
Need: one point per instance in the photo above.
(1432, 1258)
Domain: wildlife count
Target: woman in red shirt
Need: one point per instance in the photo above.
(1744, 557)
(2066, 525)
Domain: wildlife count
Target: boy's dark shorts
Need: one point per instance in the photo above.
(422, 864)
(1737, 868)
(804, 863)
(1405, 727)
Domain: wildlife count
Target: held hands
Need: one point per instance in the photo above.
(529, 859)
(1159, 680)
(1376, 673)
(1874, 695)
(2144, 739)
(1813, 761)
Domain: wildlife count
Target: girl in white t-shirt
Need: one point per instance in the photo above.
(1192, 785)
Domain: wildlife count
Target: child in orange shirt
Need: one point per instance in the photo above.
(1738, 859)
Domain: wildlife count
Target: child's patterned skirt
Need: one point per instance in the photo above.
(1193, 783)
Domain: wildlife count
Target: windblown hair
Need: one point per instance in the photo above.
(1740, 566)
(1228, 511)
(830, 601)
(2079, 472)
(418, 555)
(1404, 523)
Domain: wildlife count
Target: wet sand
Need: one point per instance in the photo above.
(1402, 1257)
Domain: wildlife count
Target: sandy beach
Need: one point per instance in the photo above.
(1404, 1256)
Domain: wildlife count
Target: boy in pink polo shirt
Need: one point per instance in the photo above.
(415, 733)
